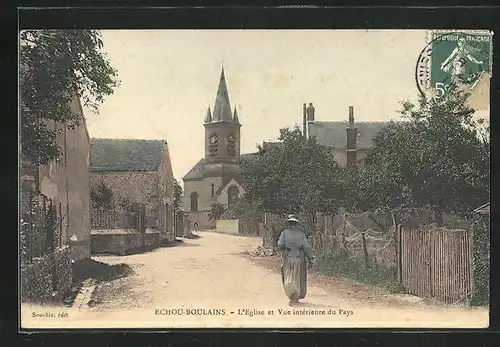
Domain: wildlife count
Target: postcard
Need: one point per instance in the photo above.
(254, 178)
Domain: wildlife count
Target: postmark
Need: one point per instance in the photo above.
(456, 60)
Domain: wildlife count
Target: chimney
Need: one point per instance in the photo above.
(304, 121)
(310, 112)
(351, 140)
(351, 117)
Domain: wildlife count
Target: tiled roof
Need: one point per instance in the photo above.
(126, 154)
(333, 134)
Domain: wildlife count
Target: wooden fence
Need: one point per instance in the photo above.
(436, 263)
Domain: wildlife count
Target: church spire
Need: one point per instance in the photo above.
(208, 117)
(235, 117)
(222, 108)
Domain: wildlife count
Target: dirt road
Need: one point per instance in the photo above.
(209, 282)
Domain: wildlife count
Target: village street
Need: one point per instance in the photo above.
(213, 273)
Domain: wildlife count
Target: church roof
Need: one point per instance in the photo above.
(333, 134)
(222, 108)
(196, 171)
(126, 154)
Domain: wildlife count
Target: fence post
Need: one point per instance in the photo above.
(60, 224)
(399, 246)
(365, 249)
(30, 229)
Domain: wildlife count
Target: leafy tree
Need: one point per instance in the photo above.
(55, 67)
(177, 195)
(438, 158)
(101, 197)
(296, 176)
(247, 210)
(216, 211)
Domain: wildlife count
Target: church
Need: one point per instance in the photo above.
(217, 177)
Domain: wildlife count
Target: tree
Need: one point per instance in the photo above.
(437, 158)
(55, 67)
(216, 211)
(101, 197)
(296, 176)
(177, 195)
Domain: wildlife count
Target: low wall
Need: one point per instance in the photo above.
(48, 278)
(228, 226)
(202, 219)
(123, 241)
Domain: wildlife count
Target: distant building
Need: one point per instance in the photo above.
(137, 171)
(348, 141)
(217, 177)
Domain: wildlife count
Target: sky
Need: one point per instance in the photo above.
(169, 78)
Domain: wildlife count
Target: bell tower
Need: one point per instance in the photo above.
(222, 129)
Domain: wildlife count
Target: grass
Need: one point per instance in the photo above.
(337, 264)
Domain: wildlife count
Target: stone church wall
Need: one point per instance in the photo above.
(204, 190)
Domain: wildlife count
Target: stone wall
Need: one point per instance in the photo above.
(204, 189)
(143, 188)
(48, 278)
(135, 187)
(123, 241)
(202, 219)
(228, 226)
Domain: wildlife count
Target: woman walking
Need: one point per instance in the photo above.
(295, 249)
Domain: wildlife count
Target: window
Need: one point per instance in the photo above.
(213, 190)
(194, 202)
(231, 146)
(213, 146)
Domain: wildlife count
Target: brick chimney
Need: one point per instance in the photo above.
(351, 140)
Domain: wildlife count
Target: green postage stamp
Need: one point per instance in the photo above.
(460, 59)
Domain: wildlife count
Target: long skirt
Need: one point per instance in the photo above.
(294, 276)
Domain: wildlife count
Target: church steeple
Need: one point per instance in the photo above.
(235, 117)
(222, 108)
(208, 117)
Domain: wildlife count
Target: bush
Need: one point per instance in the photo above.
(338, 264)
(481, 258)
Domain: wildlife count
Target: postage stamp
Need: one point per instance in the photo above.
(454, 60)
(249, 179)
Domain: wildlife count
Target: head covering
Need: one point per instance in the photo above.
(293, 218)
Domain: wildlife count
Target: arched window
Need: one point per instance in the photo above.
(231, 146)
(213, 146)
(232, 195)
(194, 202)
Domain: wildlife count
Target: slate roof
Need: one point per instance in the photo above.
(198, 170)
(333, 134)
(126, 154)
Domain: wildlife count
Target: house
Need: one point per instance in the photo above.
(67, 182)
(137, 171)
(348, 141)
(217, 177)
